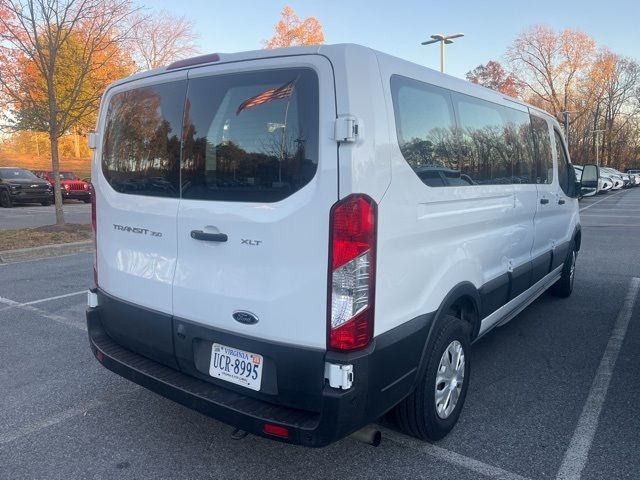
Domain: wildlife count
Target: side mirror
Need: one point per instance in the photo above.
(589, 180)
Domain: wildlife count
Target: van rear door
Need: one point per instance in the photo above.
(136, 172)
(259, 176)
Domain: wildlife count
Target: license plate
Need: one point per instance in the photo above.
(236, 366)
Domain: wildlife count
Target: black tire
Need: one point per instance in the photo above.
(417, 414)
(87, 200)
(564, 286)
(46, 203)
(5, 199)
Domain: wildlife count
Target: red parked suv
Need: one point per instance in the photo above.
(72, 187)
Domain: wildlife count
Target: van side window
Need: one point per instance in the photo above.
(250, 137)
(520, 146)
(542, 150)
(425, 126)
(141, 146)
(563, 169)
(485, 155)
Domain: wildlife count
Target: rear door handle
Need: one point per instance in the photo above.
(561, 202)
(544, 201)
(209, 237)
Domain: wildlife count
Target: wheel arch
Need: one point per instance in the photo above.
(463, 301)
(577, 237)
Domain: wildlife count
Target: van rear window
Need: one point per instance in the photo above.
(250, 137)
(245, 137)
(141, 149)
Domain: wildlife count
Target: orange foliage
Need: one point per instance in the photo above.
(291, 31)
(493, 75)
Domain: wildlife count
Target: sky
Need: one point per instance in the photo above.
(397, 27)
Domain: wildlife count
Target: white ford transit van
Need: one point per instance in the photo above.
(297, 241)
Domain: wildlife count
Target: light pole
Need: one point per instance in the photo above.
(597, 132)
(566, 114)
(443, 39)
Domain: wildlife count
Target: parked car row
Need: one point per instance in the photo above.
(600, 180)
(19, 185)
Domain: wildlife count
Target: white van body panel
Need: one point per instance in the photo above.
(432, 239)
(365, 165)
(569, 216)
(136, 267)
(280, 275)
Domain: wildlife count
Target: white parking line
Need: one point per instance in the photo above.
(50, 316)
(55, 298)
(577, 454)
(450, 457)
(606, 198)
(17, 433)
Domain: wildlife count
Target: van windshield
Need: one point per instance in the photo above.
(247, 137)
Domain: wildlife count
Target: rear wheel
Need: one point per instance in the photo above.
(432, 410)
(5, 199)
(46, 203)
(564, 286)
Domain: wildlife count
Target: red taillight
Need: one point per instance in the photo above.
(94, 227)
(276, 430)
(352, 273)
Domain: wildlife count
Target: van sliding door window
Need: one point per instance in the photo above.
(250, 137)
(542, 150)
(519, 142)
(141, 148)
(484, 154)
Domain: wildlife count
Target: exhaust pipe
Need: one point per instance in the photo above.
(369, 435)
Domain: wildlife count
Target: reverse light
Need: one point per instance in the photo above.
(352, 273)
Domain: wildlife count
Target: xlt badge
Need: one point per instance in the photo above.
(253, 243)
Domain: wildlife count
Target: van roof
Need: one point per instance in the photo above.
(332, 51)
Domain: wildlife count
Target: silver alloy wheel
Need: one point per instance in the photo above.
(572, 270)
(449, 379)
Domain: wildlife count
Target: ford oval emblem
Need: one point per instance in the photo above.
(245, 317)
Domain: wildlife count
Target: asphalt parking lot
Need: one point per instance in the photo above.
(553, 394)
(32, 215)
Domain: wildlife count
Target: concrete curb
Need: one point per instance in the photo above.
(46, 251)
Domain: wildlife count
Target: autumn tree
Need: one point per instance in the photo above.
(615, 111)
(494, 76)
(552, 67)
(53, 59)
(160, 39)
(291, 31)
(567, 71)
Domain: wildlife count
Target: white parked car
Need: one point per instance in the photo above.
(635, 173)
(296, 241)
(604, 183)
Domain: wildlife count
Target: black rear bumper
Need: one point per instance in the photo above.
(384, 373)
